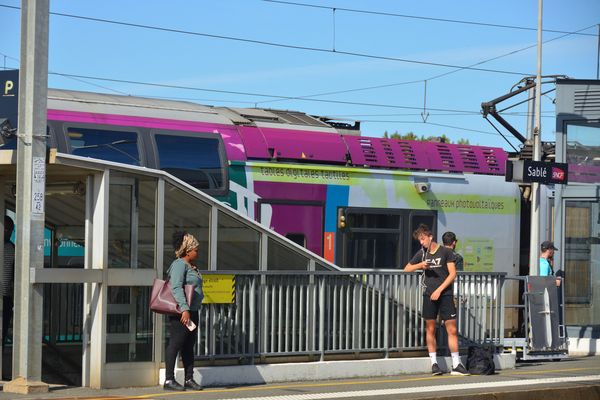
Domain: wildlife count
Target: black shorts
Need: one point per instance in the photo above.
(444, 306)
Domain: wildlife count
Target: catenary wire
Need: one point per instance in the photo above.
(435, 76)
(255, 94)
(290, 46)
(420, 17)
(266, 43)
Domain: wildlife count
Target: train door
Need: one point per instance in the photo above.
(379, 237)
(299, 221)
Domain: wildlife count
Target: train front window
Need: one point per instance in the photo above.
(195, 160)
(110, 145)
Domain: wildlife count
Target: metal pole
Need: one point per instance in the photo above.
(537, 145)
(530, 112)
(31, 181)
(598, 56)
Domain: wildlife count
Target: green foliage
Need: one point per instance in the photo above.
(411, 136)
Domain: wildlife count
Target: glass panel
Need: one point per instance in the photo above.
(119, 226)
(238, 246)
(63, 312)
(583, 145)
(321, 267)
(129, 324)
(195, 160)
(283, 258)
(373, 250)
(577, 252)
(373, 238)
(378, 221)
(183, 212)
(65, 215)
(111, 145)
(132, 205)
(298, 238)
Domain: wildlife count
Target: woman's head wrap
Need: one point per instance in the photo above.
(188, 244)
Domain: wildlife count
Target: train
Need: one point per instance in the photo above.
(352, 199)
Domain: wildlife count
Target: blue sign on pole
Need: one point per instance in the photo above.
(9, 96)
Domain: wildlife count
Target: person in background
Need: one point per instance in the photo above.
(7, 284)
(547, 259)
(449, 239)
(183, 329)
(437, 262)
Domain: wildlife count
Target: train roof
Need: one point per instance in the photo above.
(102, 103)
(291, 135)
(185, 110)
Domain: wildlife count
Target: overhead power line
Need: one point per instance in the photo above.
(274, 44)
(455, 114)
(420, 17)
(163, 85)
(383, 86)
(70, 77)
(80, 78)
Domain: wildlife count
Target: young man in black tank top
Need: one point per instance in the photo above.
(437, 262)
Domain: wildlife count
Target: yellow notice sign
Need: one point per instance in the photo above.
(218, 289)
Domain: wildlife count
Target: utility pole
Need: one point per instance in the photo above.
(537, 149)
(31, 182)
(598, 56)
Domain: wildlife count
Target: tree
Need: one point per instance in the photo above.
(411, 136)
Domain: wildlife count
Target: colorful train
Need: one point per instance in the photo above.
(352, 199)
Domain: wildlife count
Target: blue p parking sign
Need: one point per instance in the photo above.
(9, 96)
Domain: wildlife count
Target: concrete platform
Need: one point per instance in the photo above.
(313, 371)
(572, 379)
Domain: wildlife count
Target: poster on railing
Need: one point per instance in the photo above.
(218, 289)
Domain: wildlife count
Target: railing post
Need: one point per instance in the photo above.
(501, 311)
(386, 315)
(252, 307)
(311, 310)
(322, 316)
(263, 293)
(356, 315)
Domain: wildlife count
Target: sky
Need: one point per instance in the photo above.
(380, 66)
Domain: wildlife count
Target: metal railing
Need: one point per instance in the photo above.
(313, 313)
(321, 313)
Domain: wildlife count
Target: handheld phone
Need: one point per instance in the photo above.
(190, 325)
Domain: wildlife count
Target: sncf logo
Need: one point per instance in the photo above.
(558, 174)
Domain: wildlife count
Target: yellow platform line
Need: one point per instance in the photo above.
(327, 384)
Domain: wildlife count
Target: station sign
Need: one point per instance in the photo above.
(9, 96)
(527, 171)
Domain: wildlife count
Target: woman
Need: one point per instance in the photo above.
(183, 329)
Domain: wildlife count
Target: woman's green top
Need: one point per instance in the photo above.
(181, 273)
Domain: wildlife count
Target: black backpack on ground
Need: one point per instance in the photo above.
(480, 361)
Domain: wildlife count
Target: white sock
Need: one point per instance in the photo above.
(433, 357)
(455, 359)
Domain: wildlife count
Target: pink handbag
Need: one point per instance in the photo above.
(162, 300)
